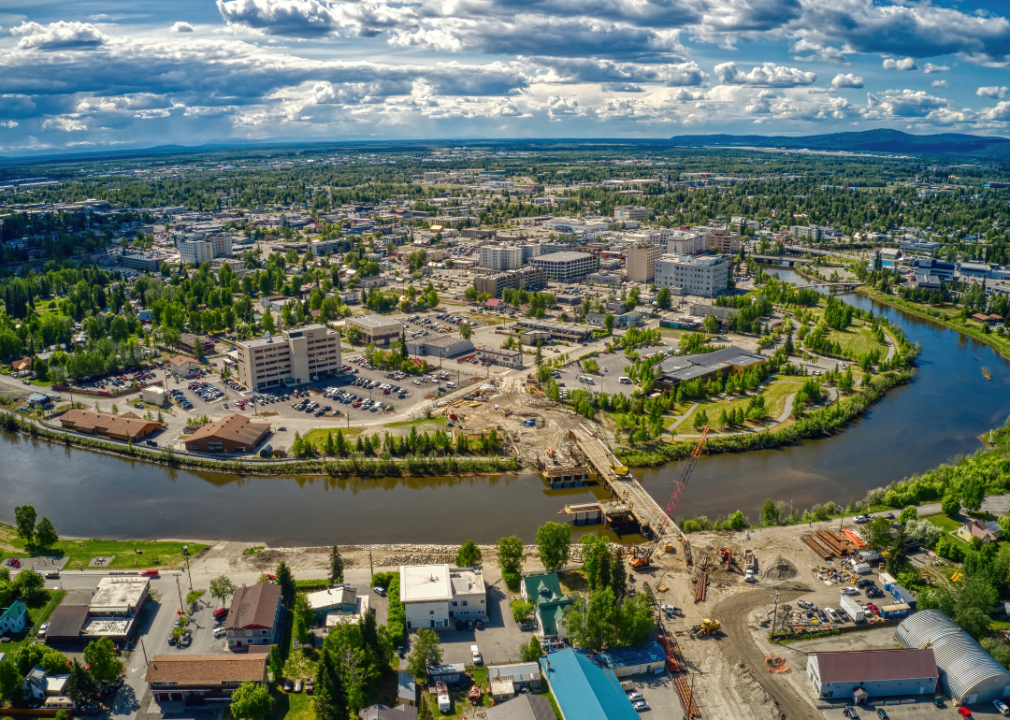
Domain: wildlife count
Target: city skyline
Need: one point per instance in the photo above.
(91, 75)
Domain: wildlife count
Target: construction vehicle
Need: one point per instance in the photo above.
(530, 423)
(709, 627)
(750, 566)
(619, 470)
(550, 452)
(726, 556)
(641, 556)
(685, 475)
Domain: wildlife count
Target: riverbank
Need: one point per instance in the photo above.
(996, 342)
(351, 467)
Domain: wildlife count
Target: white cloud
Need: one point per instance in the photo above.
(559, 106)
(994, 91)
(9, 123)
(904, 64)
(585, 70)
(67, 123)
(930, 68)
(940, 84)
(1000, 113)
(58, 36)
(766, 75)
(182, 27)
(847, 80)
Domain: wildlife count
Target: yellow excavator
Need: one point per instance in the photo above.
(710, 627)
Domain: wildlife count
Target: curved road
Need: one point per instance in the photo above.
(738, 644)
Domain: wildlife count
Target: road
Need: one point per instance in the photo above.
(739, 645)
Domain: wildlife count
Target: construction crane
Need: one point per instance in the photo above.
(685, 475)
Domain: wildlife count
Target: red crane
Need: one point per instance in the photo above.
(685, 475)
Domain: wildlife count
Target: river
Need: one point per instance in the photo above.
(938, 415)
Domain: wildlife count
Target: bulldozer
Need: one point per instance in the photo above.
(710, 627)
(726, 556)
(619, 470)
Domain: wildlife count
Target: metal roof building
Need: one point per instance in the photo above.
(968, 674)
(878, 673)
(583, 689)
(648, 657)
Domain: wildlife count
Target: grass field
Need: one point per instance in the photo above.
(440, 421)
(775, 394)
(858, 340)
(80, 552)
(292, 706)
(318, 437)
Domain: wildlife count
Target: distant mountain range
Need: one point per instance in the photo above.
(880, 141)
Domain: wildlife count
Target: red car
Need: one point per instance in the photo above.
(221, 613)
(965, 712)
(873, 608)
(152, 572)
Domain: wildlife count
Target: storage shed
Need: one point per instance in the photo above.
(968, 674)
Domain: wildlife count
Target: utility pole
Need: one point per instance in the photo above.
(775, 613)
(371, 569)
(190, 574)
(182, 609)
(144, 649)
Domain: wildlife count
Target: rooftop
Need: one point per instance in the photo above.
(274, 339)
(519, 671)
(373, 321)
(858, 665)
(118, 592)
(424, 582)
(523, 707)
(339, 595)
(466, 581)
(207, 670)
(649, 652)
(235, 428)
(583, 689)
(254, 606)
(564, 256)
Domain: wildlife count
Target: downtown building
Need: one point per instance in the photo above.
(293, 357)
(700, 275)
(527, 278)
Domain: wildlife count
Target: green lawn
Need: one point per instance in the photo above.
(39, 611)
(775, 394)
(857, 339)
(80, 552)
(318, 437)
(420, 421)
(292, 706)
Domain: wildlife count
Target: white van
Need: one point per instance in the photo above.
(451, 385)
(59, 703)
(625, 380)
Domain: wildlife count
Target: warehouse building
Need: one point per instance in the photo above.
(646, 658)
(558, 330)
(968, 674)
(684, 368)
(439, 346)
(873, 673)
(566, 266)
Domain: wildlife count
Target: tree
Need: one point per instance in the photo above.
(45, 534)
(285, 579)
(972, 494)
(553, 543)
(336, 566)
(100, 655)
(531, 651)
(465, 331)
(426, 650)
(608, 322)
(81, 687)
(330, 701)
(424, 710)
(596, 561)
(24, 517)
(710, 324)
(304, 618)
(908, 514)
(251, 701)
(770, 513)
(29, 585)
(276, 663)
(521, 609)
(222, 588)
(469, 555)
(663, 299)
(10, 682)
(967, 603)
(618, 575)
(510, 559)
(950, 505)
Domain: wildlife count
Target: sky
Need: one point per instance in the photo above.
(97, 74)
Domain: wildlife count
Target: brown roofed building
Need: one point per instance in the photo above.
(127, 426)
(873, 673)
(66, 624)
(195, 679)
(195, 344)
(184, 365)
(229, 435)
(254, 617)
(23, 364)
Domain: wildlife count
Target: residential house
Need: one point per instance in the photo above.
(338, 605)
(14, 618)
(384, 712)
(435, 596)
(40, 685)
(985, 531)
(508, 680)
(254, 617)
(21, 365)
(178, 680)
(550, 605)
(184, 365)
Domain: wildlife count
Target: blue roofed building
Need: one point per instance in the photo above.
(583, 689)
(634, 660)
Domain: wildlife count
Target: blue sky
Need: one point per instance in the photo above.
(78, 74)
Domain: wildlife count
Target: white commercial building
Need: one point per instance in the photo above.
(501, 258)
(685, 242)
(500, 356)
(292, 358)
(434, 596)
(197, 252)
(378, 330)
(652, 236)
(566, 266)
(701, 275)
(631, 212)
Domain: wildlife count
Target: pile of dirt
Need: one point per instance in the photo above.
(748, 691)
(778, 568)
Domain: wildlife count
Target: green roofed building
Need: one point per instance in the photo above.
(14, 618)
(550, 604)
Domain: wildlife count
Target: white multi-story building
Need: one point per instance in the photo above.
(701, 275)
(653, 236)
(631, 212)
(501, 258)
(434, 596)
(378, 330)
(566, 266)
(292, 358)
(685, 242)
(197, 252)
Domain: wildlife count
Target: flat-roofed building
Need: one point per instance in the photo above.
(641, 262)
(141, 262)
(721, 240)
(378, 330)
(686, 242)
(684, 368)
(701, 275)
(566, 266)
(119, 596)
(631, 212)
(501, 257)
(292, 358)
(527, 278)
(500, 356)
(558, 330)
(439, 346)
(233, 434)
(434, 596)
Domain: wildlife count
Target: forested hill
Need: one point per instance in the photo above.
(889, 141)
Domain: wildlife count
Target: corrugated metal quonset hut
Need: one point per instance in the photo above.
(968, 674)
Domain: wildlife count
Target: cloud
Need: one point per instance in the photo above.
(559, 106)
(58, 36)
(9, 123)
(182, 27)
(940, 84)
(584, 70)
(994, 91)
(68, 123)
(915, 104)
(1000, 113)
(295, 18)
(905, 64)
(818, 53)
(846, 80)
(930, 68)
(766, 75)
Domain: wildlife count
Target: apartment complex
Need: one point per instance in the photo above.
(291, 358)
(641, 262)
(197, 252)
(501, 257)
(631, 212)
(805, 232)
(566, 266)
(686, 242)
(433, 596)
(527, 278)
(722, 240)
(377, 330)
(701, 275)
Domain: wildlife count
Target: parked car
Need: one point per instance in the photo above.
(298, 685)
(640, 705)
(849, 591)
(1001, 707)
(882, 714)
(53, 575)
(150, 572)
(288, 686)
(379, 590)
(850, 712)
(310, 686)
(475, 655)
(43, 629)
(220, 632)
(635, 695)
(964, 712)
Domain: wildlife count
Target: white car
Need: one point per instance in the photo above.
(849, 591)
(635, 695)
(1002, 707)
(861, 518)
(475, 655)
(220, 632)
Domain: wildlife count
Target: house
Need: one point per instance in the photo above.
(508, 680)
(336, 605)
(196, 345)
(184, 365)
(523, 707)
(550, 605)
(583, 689)
(384, 712)
(179, 680)
(987, 532)
(434, 596)
(406, 689)
(21, 365)
(127, 426)
(233, 434)
(14, 618)
(254, 617)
